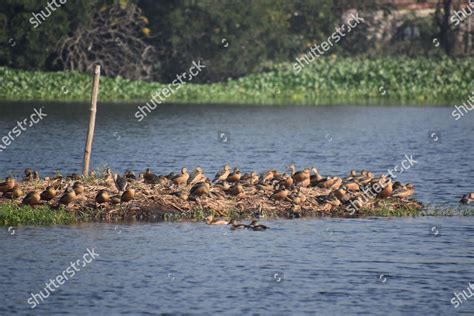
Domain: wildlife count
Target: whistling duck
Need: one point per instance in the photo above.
(210, 220)
(236, 225)
(468, 198)
(102, 197)
(234, 177)
(222, 174)
(404, 192)
(387, 186)
(48, 194)
(130, 175)
(352, 186)
(32, 198)
(121, 183)
(236, 190)
(280, 195)
(78, 188)
(198, 176)
(264, 187)
(182, 178)
(336, 184)
(267, 176)
(286, 181)
(8, 185)
(200, 189)
(300, 176)
(150, 177)
(128, 195)
(28, 175)
(68, 196)
(258, 227)
(14, 193)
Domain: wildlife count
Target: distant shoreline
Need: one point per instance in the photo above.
(327, 81)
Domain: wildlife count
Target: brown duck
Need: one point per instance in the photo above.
(234, 177)
(102, 197)
(222, 174)
(33, 198)
(48, 194)
(404, 192)
(68, 197)
(198, 176)
(280, 194)
(181, 179)
(14, 193)
(8, 185)
(200, 189)
(128, 195)
(78, 188)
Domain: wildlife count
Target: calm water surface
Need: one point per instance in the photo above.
(319, 266)
(325, 267)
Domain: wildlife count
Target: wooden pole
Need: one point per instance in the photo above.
(90, 130)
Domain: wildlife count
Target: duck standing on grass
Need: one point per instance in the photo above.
(78, 188)
(197, 177)
(68, 196)
(33, 198)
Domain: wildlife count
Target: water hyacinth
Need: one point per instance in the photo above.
(326, 80)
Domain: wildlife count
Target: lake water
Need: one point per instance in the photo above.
(318, 266)
(408, 266)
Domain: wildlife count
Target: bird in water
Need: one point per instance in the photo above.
(236, 225)
(210, 220)
(257, 227)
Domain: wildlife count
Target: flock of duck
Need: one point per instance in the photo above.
(292, 192)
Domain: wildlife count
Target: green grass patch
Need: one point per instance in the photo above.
(326, 80)
(12, 214)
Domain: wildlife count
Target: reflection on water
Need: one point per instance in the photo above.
(324, 267)
(334, 139)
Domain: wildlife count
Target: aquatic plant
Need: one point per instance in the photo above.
(326, 80)
(12, 214)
